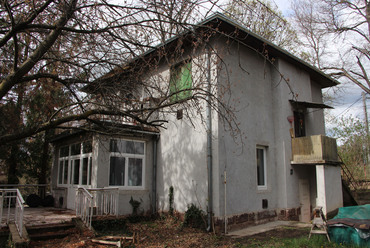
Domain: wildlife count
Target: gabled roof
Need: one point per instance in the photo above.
(223, 25)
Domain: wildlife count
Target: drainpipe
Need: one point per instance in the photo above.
(209, 141)
(154, 177)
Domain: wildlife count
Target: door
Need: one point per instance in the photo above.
(73, 180)
(304, 199)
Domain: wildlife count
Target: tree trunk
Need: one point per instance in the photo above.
(12, 165)
(44, 165)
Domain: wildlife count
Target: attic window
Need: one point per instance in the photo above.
(181, 81)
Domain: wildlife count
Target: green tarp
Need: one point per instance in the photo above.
(351, 226)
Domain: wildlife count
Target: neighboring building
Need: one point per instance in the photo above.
(280, 165)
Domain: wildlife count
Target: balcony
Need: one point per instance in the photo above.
(317, 149)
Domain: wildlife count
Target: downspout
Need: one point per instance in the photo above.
(154, 176)
(209, 141)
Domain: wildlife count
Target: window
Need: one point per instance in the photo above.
(299, 124)
(180, 81)
(261, 167)
(75, 164)
(126, 163)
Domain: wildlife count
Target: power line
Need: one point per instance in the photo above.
(346, 109)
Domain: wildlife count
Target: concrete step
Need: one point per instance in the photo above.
(50, 231)
(17, 241)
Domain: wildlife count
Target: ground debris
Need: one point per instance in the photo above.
(119, 241)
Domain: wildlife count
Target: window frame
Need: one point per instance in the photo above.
(127, 157)
(69, 162)
(264, 151)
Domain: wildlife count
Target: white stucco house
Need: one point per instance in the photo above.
(280, 166)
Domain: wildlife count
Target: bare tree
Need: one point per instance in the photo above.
(82, 47)
(328, 24)
(263, 18)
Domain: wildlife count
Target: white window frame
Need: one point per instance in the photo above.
(127, 156)
(70, 171)
(264, 149)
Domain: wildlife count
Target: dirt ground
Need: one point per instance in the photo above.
(169, 233)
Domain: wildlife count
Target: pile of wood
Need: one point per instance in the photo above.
(119, 241)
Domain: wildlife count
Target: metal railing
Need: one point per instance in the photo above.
(12, 199)
(349, 178)
(26, 189)
(105, 200)
(84, 206)
(101, 201)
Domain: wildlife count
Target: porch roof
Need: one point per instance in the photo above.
(108, 128)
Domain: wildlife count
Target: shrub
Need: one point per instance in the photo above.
(195, 217)
(33, 201)
(48, 201)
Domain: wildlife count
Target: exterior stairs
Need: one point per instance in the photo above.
(50, 231)
(363, 197)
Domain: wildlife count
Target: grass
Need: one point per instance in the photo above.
(303, 242)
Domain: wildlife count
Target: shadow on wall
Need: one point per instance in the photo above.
(182, 163)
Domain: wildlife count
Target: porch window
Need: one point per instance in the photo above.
(181, 81)
(75, 164)
(126, 163)
(261, 167)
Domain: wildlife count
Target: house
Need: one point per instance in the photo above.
(277, 165)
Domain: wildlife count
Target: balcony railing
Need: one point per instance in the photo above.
(317, 149)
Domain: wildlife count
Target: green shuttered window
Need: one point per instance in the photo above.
(181, 81)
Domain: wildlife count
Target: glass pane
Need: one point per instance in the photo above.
(65, 179)
(117, 171)
(260, 167)
(76, 171)
(130, 147)
(90, 170)
(87, 147)
(76, 149)
(135, 169)
(139, 148)
(64, 151)
(113, 147)
(85, 162)
(60, 172)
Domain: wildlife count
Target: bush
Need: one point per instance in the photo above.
(48, 201)
(111, 226)
(33, 201)
(195, 217)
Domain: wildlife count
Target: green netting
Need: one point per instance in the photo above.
(343, 234)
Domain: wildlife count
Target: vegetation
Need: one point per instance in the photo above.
(170, 199)
(265, 19)
(169, 232)
(326, 25)
(353, 146)
(195, 217)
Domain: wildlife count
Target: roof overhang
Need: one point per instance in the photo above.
(224, 26)
(108, 128)
(298, 104)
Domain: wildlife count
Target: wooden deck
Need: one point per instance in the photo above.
(43, 216)
(48, 215)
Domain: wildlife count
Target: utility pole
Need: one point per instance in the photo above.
(367, 133)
